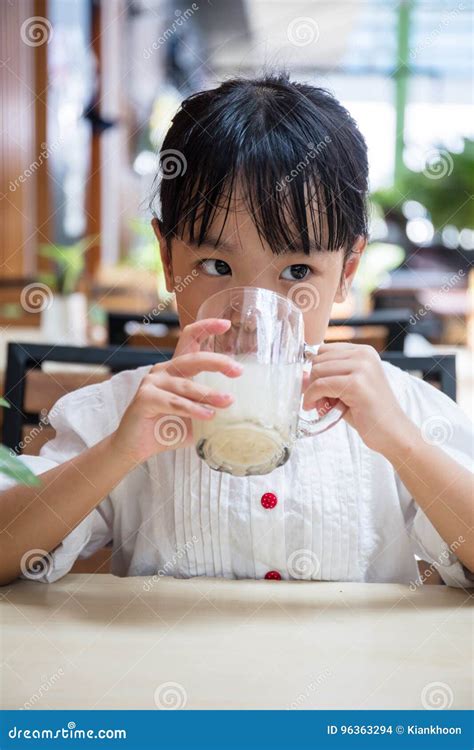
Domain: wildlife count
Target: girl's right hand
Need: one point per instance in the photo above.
(159, 417)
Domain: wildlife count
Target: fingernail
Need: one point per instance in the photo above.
(208, 411)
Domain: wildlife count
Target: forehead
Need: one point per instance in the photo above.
(235, 223)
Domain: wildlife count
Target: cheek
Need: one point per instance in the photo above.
(317, 310)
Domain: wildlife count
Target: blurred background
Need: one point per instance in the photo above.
(88, 92)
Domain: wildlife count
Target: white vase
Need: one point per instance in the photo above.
(64, 320)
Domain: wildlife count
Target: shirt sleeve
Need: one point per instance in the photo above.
(73, 417)
(444, 424)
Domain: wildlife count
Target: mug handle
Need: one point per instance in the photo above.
(309, 427)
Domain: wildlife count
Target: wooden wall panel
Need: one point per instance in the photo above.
(22, 131)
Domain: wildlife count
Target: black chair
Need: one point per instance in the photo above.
(117, 324)
(438, 369)
(23, 358)
(396, 321)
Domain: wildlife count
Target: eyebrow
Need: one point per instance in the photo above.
(215, 243)
(219, 244)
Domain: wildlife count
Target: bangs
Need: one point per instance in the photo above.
(268, 150)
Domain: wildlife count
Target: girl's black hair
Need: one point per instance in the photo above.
(292, 151)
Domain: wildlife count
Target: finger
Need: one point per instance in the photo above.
(188, 365)
(196, 392)
(323, 405)
(193, 334)
(337, 346)
(332, 367)
(168, 402)
(330, 387)
(334, 355)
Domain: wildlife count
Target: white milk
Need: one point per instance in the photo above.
(256, 432)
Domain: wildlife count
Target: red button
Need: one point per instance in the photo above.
(269, 500)
(273, 575)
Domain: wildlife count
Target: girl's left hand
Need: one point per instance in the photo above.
(353, 374)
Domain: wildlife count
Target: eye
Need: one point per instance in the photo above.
(296, 272)
(215, 267)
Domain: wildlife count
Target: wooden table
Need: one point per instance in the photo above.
(105, 642)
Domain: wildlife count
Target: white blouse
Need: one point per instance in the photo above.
(336, 511)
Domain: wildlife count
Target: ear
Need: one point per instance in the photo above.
(350, 268)
(165, 255)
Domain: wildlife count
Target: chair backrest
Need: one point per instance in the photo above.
(439, 369)
(395, 323)
(392, 325)
(31, 391)
(121, 332)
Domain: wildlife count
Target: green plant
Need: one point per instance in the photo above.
(11, 466)
(378, 259)
(69, 264)
(443, 188)
(146, 254)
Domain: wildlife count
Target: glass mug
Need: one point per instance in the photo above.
(255, 434)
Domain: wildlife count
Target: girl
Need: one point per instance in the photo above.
(264, 184)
